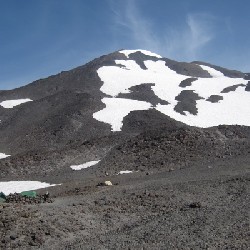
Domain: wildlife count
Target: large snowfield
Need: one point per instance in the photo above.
(233, 109)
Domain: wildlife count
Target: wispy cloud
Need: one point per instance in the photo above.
(140, 27)
(192, 39)
(185, 41)
(139, 30)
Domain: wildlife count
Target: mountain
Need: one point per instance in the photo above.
(115, 96)
(131, 111)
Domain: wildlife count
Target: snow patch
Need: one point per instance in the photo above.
(213, 72)
(116, 109)
(20, 186)
(232, 110)
(12, 103)
(118, 80)
(2, 156)
(125, 172)
(145, 52)
(85, 165)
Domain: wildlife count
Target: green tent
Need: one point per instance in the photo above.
(2, 197)
(29, 194)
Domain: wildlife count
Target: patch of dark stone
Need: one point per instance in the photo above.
(143, 92)
(18, 198)
(187, 102)
(139, 58)
(140, 121)
(187, 69)
(232, 88)
(187, 82)
(226, 72)
(248, 86)
(183, 68)
(107, 60)
(236, 132)
(214, 98)
(191, 205)
(246, 77)
(121, 66)
(195, 205)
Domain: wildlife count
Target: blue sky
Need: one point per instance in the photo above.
(43, 37)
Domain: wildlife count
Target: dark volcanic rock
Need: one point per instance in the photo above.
(139, 58)
(140, 121)
(46, 162)
(166, 149)
(188, 69)
(226, 72)
(143, 92)
(183, 68)
(187, 102)
(187, 82)
(237, 132)
(232, 88)
(247, 76)
(214, 98)
(21, 199)
(51, 122)
(248, 86)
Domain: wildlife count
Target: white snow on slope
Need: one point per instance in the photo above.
(12, 103)
(233, 109)
(228, 111)
(85, 165)
(125, 172)
(2, 156)
(116, 109)
(20, 186)
(119, 80)
(145, 52)
(213, 72)
(206, 87)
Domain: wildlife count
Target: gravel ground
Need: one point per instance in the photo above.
(193, 208)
